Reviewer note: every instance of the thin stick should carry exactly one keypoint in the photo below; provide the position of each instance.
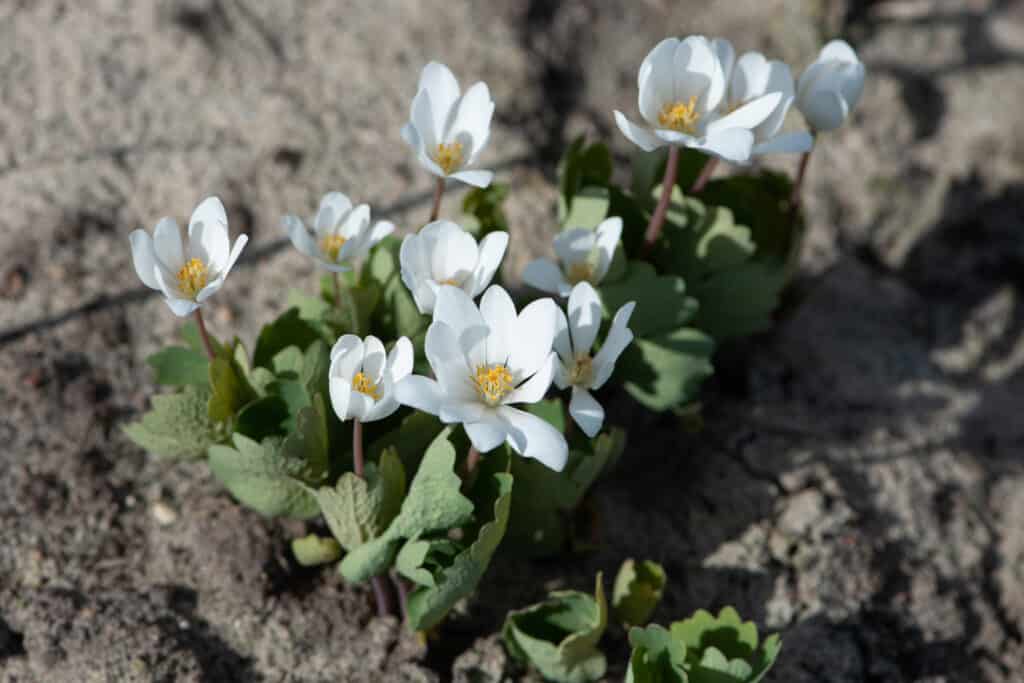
(658, 217)
(438, 191)
(357, 447)
(705, 175)
(204, 335)
(380, 595)
(403, 594)
(472, 461)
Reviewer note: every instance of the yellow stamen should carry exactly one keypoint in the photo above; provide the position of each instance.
(449, 157)
(581, 271)
(582, 371)
(192, 277)
(680, 116)
(450, 281)
(493, 382)
(332, 244)
(364, 385)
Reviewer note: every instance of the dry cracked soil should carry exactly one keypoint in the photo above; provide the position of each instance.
(858, 484)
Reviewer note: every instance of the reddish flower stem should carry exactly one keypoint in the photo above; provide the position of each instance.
(204, 335)
(705, 175)
(438, 192)
(357, 448)
(658, 217)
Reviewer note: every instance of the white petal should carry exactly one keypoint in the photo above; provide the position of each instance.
(167, 247)
(733, 144)
(476, 178)
(748, 116)
(698, 73)
(208, 234)
(438, 80)
(726, 54)
(210, 289)
(787, 143)
(359, 406)
(586, 411)
(608, 233)
(355, 223)
(448, 361)
(381, 229)
(546, 276)
(619, 337)
(340, 391)
(655, 82)
(400, 360)
(463, 411)
(533, 437)
(780, 79)
(639, 136)
(421, 393)
(838, 50)
(410, 135)
(333, 207)
(300, 237)
(584, 317)
(457, 310)
(143, 258)
(454, 255)
(533, 338)
(422, 117)
(375, 359)
(236, 251)
(851, 84)
(574, 246)
(472, 120)
(181, 307)
(486, 435)
(824, 110)
(562, 343)
(168, 285)
(534, 389)
(490, 253)
(500, 315)
(385, 407)
(750, 78)
(346, 357)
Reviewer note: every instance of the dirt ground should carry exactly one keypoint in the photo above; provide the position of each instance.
(859, 485)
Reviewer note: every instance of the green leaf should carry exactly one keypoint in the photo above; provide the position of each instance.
(189, 334)
(551, 411)
(273, 476)
(667, 370)
(230, 390)
(589, 207)
(410, 440)
(760, 201)
(313, 550)
(483, 209)
(358, 509)
(637, 591)
(724, 649)
(263, 417)
(662, 303)
(429, 603)
(177, 425)
(178, 366)
(559, 636)
(657, 657)
(288, 330)
(434, 503)
(397, 314)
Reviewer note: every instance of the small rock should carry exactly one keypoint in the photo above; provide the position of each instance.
(163, 513)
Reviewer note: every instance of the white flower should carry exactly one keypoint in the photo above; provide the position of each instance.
(682, 84)
(578, 369)
(584, 256)
(187, 276)
(486, 359)
(341, 233)
(831, 87)
(750, 77)
(448, 130)
(362, 377)
(442, 254)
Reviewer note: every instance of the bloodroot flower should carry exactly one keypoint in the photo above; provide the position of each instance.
(187, 275)
(583, 256)
(485, 360)
(682, 85)
(341, 233)
(362, 377)
(578, 368)
(443, 254)
(449, 129)
(831, 87)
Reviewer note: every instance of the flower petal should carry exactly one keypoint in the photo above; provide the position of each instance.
(476, 178)
(824, 110)
(443, 88)
(375, 359)
(533, 338)
(839, 50)
(750, 77)
(181, 307)
(533, 437)
(346, 357)
(608, 233)
(787, 143)
(486, 435)
(448, 361)
(574, 246)
(167, 247)
(499, 314)
(421, 393)
(655, 82)
(726, 55)
(584, 317)
(562, 343)
(208, 234)
(454, 255)
(236, 251)
(639, 136)
(422, 118)
(472, 118)
(749, 116)
(619, 337)
(340, 391)
(732, 144)
(143, 258)
(457, 310)
(463, 411)
(489, 255)
(697, 73)
(333, 207)
(586, 411)
(534, 389)
(400, 360)
(300, 237)
(546, 276)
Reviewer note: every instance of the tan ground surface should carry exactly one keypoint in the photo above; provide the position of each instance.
(860, 485)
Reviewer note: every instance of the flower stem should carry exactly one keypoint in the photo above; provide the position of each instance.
(337, 290)
(204, 335)
(380, 596)
(797, 232)
(403, 594)
(472, 461)
(438, 191)
(794, 197)
(705, 175)
(357, 448)
(658, 217)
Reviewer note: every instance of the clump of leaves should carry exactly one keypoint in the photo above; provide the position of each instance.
(559, 636)
(637, 591)
(701, 649)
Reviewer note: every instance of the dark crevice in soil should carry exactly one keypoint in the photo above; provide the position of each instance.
(12, 643)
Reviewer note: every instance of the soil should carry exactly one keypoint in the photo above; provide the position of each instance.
(859, 481)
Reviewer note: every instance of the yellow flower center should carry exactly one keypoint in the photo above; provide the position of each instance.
(680, 116)
(449, 157)
(450, 281)
(332, 244)
(192, 278)
(493, 382)
(581, 271)
(364, 385)
(582, 372)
